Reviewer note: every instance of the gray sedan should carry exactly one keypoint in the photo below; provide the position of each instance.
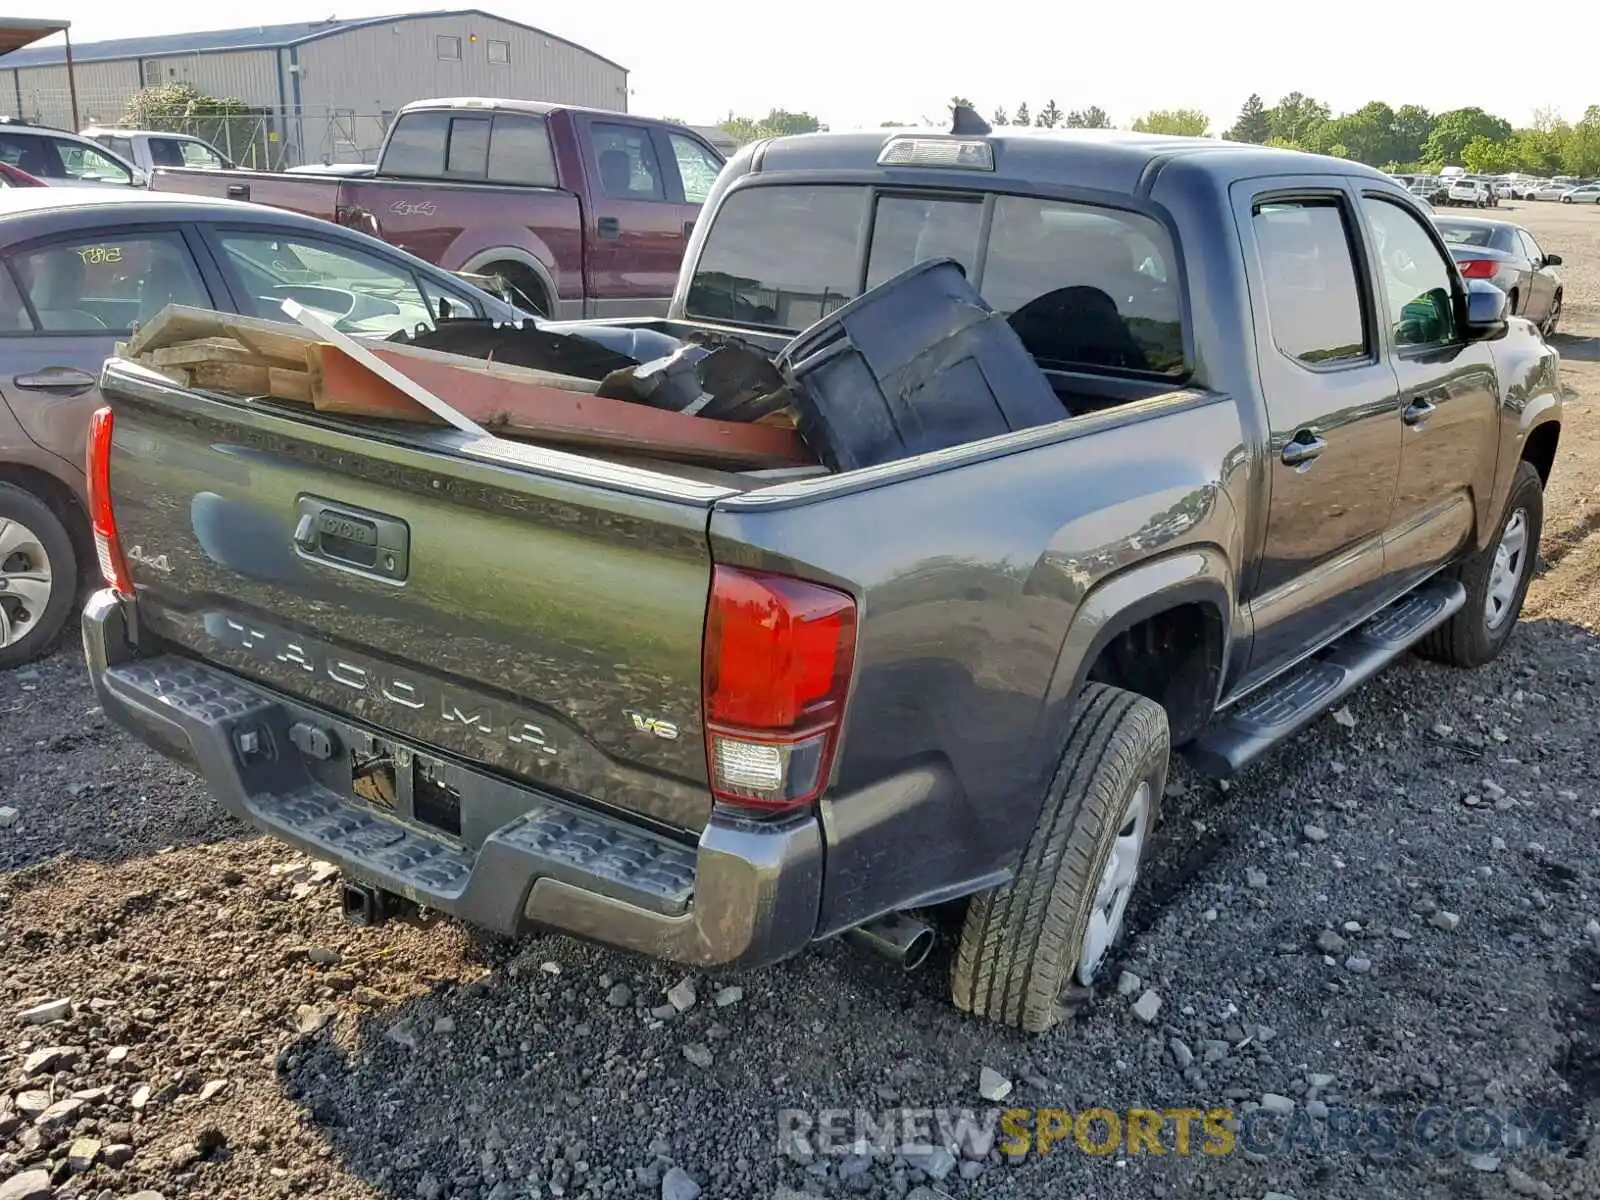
(1507, 256)
(79, 268)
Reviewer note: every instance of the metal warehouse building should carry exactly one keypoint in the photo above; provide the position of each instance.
(319, 91)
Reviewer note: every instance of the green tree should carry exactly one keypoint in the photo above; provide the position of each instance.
(1296, 118)
(1093, 117)
(1454, 129)
(1022, 117)
(777, 123)
(1252, 124)
(1412, 126)
(1001, 117)
(1183, 122)
(1483, 157)
(1049, 116)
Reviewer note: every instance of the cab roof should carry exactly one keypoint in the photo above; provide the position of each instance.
(1109, 159)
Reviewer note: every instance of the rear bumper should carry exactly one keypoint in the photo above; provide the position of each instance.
(748, 894)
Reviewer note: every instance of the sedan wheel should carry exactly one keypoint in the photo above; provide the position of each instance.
(38, 576)
(1550, 322)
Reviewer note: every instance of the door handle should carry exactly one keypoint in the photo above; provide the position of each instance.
(238, 191)
(1302, 449)
(1418, 411)
(608, 227)
(68, 380)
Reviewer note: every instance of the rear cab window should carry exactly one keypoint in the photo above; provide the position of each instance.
(474, 147)
(1085, 287)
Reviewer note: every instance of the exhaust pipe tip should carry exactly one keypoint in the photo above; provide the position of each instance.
(898, 936)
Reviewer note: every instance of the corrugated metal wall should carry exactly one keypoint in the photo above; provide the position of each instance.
(41, 93)
(371, 72)
(248, 75)
(337, 105)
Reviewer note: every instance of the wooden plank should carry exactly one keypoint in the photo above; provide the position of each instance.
(514, 408)
(203, 350)
(237, 379)
(286, 384)
(179, 323)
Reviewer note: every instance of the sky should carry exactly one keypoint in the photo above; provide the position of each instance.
(859, 63)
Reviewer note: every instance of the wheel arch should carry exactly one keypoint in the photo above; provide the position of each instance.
(1153, 606)
(521, 258)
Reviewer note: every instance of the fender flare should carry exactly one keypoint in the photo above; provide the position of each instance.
(1199, 574)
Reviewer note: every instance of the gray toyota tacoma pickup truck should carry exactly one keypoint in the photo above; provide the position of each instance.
(717, 716)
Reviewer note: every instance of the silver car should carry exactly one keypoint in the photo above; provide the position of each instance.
(1507, 256)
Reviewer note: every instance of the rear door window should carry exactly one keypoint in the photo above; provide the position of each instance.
(1309, 276)
(519, 151)
(109, 282)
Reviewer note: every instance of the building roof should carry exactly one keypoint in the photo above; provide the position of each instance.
(254, 37)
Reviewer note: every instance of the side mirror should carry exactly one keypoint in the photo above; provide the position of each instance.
(1552, 260)
(1486, 310)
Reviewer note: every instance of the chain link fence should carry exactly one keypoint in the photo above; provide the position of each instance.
(257, 138)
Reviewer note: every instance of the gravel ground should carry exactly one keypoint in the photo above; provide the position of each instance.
(1395, 911)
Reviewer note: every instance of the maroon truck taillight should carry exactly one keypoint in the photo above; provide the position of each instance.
(1477, 268)
(778, 658)
(97, 466)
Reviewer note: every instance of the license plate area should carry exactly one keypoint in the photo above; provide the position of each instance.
(396, 779)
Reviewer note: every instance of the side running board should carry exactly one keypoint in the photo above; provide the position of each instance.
(1286, 705)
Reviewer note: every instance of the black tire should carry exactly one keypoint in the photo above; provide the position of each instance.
(524, 284)
(1468, 639)
(1554, 319)
(38, 630)
(1017, 963)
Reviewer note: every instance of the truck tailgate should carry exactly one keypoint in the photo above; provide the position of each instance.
(546, 623)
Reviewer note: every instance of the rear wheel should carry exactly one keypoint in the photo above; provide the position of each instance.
(526, 289)
(1496, 580)
(38, 576)
(1031, 949)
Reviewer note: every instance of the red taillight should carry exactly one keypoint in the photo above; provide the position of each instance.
(778, 657)
(107, 546)
(1478, 268)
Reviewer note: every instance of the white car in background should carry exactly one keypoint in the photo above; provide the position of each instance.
(148, 149)
(1472, 192)
(1589, 193)
(62, 159)
(1551, 191)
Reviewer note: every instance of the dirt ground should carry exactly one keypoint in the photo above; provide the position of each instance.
(226, 1035)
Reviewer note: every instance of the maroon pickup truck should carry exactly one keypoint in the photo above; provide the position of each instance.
(581, 213)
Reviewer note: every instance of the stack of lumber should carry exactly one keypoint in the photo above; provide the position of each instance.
(264, 360)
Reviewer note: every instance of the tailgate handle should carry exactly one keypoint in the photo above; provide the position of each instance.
(352, 539)
(238, 191)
